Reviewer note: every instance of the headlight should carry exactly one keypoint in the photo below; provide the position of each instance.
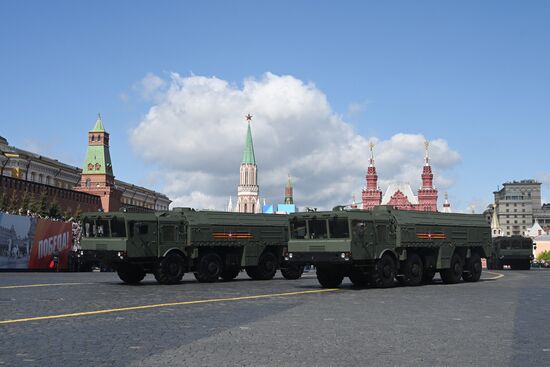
(290, 255)
(343, 255)
(81, 252)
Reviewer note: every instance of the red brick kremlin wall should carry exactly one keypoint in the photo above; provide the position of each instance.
(67, 200)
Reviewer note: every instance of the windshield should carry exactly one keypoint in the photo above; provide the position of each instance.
(103, 227)
(319, 228)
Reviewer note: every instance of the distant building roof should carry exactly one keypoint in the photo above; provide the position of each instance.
(404, 188)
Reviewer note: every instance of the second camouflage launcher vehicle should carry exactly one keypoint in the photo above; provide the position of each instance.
(516, 251)
(375, 247)
(168, 244)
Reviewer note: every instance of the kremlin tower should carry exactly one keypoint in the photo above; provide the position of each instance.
(248, 200)
(371, 194)
(97, 174)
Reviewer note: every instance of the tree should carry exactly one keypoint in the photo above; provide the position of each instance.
(13, 205)
(43, 203)
(25, 201)
(34, 204)
(545, 255)
(4, 201)
(53, 210)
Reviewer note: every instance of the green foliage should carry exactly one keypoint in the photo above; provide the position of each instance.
(25, 202)
(43, 208)
(53, 210)
(13, 205)
(4, 201)
(545, 255)
(34, 204)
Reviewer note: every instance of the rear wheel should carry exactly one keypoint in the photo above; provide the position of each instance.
(329, 276)
(292, 272)
(209, 269)
(413, 270)
(384, 272)
(130, 274)
(472, 269)
(170, 270)
(230, 273)
(266, 269)
(454, 273)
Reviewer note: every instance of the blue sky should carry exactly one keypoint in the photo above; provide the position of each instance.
(476, 74)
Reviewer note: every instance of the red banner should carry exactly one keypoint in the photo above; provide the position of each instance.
(50, 238)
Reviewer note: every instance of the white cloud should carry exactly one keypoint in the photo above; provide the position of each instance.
(196, 131)
(150, 87)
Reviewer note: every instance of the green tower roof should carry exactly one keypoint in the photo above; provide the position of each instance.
(98, 125)
(248, 155)
(98, 157)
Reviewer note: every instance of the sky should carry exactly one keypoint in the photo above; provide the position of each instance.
(174, 79)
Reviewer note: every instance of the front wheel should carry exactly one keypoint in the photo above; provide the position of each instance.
(130, 274)
(292, 272)
(329, 276)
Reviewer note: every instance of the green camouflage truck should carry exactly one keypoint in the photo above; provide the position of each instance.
(375, 247)
(169, 244)
(516, 251)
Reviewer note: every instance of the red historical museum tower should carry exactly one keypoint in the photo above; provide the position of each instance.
(371, 194)
(401, 196)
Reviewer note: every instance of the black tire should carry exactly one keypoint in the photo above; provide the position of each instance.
(170, 270)
(230, 273)
(292, 272)
(266, 269)
(329, 276)
(526, 265)
(209, 268)
(413, 270)
(130, 274)
(454, 273)
(472, 269)
(358, 278)
(384, 272)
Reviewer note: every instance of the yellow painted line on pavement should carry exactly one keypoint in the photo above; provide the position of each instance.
(498, 275)
(158, 305)
(39, 285)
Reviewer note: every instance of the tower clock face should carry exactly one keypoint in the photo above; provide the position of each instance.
(90, 167)
(97, 166)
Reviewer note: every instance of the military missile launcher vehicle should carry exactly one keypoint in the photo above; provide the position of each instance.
(516, 251)
(169, 244)
(375, 247)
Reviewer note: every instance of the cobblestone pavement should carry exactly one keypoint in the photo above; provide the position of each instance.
(500, 321)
